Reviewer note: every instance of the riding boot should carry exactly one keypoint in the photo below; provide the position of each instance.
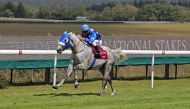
(97, 55)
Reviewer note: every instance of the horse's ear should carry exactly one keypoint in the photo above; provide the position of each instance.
(71, 33)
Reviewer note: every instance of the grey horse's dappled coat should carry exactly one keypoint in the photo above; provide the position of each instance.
(82, 58)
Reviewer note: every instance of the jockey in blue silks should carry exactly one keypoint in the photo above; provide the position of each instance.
(92, 38)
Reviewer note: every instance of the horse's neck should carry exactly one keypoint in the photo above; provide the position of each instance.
(77, 44)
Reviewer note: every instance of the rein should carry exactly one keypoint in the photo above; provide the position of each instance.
(74, 46)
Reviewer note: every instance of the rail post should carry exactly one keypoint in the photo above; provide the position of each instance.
(54, 70)
(152, 76)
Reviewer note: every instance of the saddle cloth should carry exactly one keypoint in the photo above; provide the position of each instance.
(103, 52)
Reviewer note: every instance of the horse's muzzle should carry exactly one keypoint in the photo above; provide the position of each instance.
(59, 49)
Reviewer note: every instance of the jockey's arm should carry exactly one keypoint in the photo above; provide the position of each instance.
(92, 36)
(87, 40)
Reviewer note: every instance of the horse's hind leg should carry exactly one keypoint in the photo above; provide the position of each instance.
(110, 81)
(113, 90)
(104, 82)
(106, 78)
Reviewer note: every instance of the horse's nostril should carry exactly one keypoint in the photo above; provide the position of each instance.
(59, 51)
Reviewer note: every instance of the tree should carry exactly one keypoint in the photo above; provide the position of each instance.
(169, 13)
(20, 11)
(10, 6)
(62, 14)
(100, 7)
(55, 14)
(159, 12)
(118, 12)
(43, 13)
(59, 3)
(67, 14)
(78, 11)
(7, 13)
(31, 12)
(1, 7)
(94, 15)
(130, 12)
(107, 13)
(147, 13)
(185, 14)
(124, 12)
(97, 16)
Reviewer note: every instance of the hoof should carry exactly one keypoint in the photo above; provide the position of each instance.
(106, 86)
(76, 86)
(113, 93)
(55, 87)
(100, 94)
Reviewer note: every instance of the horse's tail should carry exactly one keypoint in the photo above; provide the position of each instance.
(118, 54)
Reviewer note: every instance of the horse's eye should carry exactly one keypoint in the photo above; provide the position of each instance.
(66, 40)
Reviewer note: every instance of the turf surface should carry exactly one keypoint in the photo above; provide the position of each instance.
(167, 94)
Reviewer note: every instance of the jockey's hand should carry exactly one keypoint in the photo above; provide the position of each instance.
(80, 38)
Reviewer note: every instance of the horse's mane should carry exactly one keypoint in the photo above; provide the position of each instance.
(77, 36)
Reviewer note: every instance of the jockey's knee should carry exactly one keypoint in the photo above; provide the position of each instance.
(94, 43)
(100, 43)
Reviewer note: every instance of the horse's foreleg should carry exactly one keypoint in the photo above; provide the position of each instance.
(76, 85)
(68, 73)
(79, 66)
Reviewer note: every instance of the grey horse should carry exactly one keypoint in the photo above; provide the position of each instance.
(82, 58)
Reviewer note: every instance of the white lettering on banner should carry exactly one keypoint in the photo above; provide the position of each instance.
(147, 44)
(184, 45)
(173, 44)
(113, 44)
(170, 45)
(130, 44)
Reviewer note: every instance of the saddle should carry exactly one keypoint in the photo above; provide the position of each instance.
(103, 52)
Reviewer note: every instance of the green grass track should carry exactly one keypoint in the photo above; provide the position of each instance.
(167, 94)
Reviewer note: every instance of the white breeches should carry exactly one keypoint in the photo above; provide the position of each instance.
(97, 42)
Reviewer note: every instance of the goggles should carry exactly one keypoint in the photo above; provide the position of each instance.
(84, 31)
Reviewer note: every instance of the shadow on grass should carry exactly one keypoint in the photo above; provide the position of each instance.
(66, 94)
(74, 94)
